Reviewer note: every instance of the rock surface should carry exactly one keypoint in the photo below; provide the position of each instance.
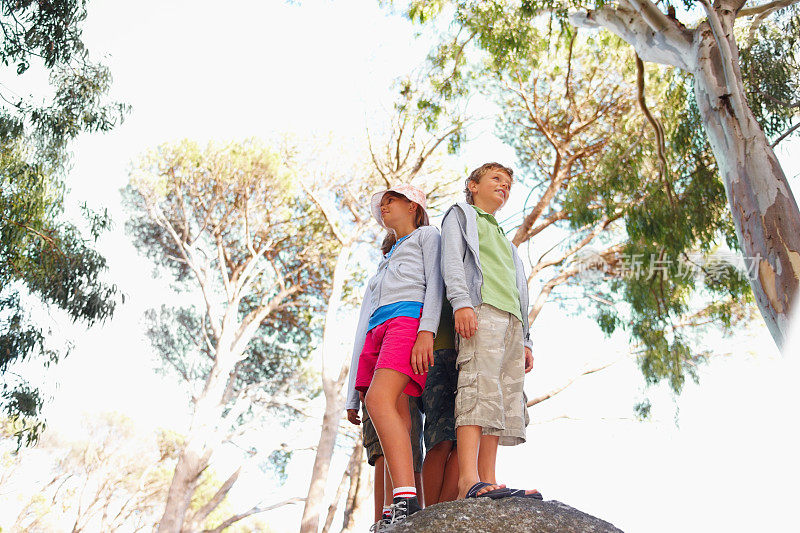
(508, 515)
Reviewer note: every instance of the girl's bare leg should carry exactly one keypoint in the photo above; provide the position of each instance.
(388, 408)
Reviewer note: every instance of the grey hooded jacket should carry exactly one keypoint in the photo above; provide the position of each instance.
(411, 274)
(461, 264)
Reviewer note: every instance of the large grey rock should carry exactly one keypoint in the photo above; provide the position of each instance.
(508, 515)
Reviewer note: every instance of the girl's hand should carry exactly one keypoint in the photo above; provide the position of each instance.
(352, 416)
(466, 322)
(422, 352)
(528, 360)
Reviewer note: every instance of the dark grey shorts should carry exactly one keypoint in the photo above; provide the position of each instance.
(439, 399)
(373, 444)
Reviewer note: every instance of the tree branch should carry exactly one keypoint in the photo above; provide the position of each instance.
(658, 130)
(235, 518)
(553, 392)
(329, 217)
(785, 134)
(355, 458)
(670, 47)
(765, 9)
(215, 500)
(184, 249)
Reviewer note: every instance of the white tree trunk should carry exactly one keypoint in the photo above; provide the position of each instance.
(764, 209)
(334, 372)
(202, 439)
(762, 205)
(184, 481)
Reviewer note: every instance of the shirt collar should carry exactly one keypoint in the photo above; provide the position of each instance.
(487, 216)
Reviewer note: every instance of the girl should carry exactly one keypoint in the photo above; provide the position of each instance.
(401, 309)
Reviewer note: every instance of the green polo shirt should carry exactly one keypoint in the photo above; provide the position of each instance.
(499, 287)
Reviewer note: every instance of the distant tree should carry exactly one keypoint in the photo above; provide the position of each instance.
(109, 478)
(44, 259)
(230, 223)
(112, 478)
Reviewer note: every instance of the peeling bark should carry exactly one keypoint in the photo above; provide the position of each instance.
(764, 210)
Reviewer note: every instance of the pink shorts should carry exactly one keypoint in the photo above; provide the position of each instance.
(389, 346)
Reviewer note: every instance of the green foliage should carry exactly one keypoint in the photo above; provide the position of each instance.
(278, 461)
(770, 67)
(561, 92)
(43, 258)
(642, 409)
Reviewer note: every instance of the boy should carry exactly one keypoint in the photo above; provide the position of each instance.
(487, 288)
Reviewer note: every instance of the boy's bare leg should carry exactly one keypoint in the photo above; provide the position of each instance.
(388, 409)
(450, 481)
(487, 458)
(468, 447)
(378, 489)
(487, 461)
(433, 470)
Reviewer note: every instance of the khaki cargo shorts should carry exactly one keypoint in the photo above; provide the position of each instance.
(491, 375)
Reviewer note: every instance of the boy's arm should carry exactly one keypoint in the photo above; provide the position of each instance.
(524, 297)
(434, 285)
(453, 273)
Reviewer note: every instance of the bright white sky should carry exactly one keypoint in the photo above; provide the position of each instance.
(208, 70)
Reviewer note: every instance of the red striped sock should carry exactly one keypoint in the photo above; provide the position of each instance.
(404, 492)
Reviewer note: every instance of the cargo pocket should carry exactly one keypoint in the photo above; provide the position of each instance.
(467, 385)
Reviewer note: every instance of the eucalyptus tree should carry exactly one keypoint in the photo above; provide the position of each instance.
(744, 83)
(620, 196)
(764, 209)
(616, 191)
(230, 223)
(43, 258)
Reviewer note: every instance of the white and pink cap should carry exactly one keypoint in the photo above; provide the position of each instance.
(409, 191)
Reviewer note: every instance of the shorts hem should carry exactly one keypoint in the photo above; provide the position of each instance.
(414, 387)
(491, 428)
(438, 441)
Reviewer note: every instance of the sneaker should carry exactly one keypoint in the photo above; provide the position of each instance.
(402, 508)
(380, 525)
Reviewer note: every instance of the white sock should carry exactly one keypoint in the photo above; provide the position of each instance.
(404, 492)
(387, 511)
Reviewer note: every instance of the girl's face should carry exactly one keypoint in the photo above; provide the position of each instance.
(397, 210)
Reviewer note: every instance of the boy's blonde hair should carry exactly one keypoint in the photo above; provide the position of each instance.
(480, 172)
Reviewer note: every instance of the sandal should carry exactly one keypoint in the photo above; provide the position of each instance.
(495, 494)
(522, 493)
